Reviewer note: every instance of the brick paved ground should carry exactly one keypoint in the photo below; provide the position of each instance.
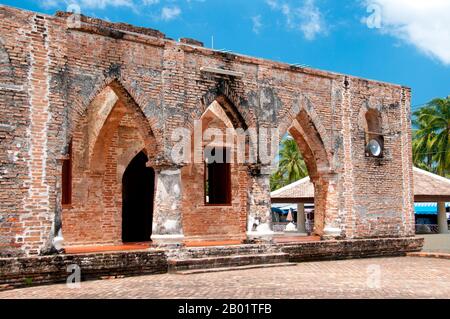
(407, 277)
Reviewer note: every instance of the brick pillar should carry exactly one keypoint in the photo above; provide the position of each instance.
(259, 221)
(39, 217)
(333, 224)
(167, 218)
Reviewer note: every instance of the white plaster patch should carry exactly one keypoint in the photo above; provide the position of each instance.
(170, 225)
(332, 231)
(176, 189)
(11, 87)
(264, 228)
(12, 156)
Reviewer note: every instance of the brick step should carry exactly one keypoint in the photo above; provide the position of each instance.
(221, 251)
(179, 264)
(222, 269)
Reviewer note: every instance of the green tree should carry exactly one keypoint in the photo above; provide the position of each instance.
(431, 146)
(291, 166)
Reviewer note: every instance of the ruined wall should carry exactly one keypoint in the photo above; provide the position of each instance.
(59, 69)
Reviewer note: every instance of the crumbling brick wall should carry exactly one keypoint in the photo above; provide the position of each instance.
(52, 71)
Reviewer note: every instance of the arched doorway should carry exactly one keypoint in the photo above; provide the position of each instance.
(105, 139)
(138, 185)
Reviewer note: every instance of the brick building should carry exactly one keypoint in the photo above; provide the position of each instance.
(89, 111)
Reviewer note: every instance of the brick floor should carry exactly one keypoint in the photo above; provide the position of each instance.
(406, 277)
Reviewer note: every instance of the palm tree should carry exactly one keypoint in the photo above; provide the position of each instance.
(291, 166)
(431, 145)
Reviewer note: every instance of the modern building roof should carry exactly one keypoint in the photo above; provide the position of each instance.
(428, 187)
(301, 191)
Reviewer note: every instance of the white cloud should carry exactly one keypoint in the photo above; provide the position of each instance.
(170, 13)
(424, 24)
(88, 4)
(305, 17)
(257, 24)
(150, 2)
(48, 4)
(312, 20)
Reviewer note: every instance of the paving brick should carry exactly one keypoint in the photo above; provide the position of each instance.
(404, 277)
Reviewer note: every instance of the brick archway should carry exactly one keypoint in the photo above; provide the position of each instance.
(110, 134)
(304, 125)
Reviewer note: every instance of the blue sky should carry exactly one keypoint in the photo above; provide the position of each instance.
(400, 41)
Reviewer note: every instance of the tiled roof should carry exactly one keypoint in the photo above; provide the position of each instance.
(302, 189)
(427, 186)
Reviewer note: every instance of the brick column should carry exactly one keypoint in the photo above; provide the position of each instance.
(167, 218)
(332, 227)
(39, 217)
(259, 221)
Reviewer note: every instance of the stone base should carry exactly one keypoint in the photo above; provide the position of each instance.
(31, 271)
(168, 241)
(260, 237)
(349, 249)
(19, 272)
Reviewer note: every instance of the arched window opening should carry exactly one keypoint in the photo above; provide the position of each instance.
(374, 134)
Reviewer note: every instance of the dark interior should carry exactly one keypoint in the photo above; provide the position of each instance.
(138, 187)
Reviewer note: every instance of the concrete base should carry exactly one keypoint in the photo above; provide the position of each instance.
(436, 243)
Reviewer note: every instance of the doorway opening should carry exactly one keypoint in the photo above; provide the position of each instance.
(138, 187)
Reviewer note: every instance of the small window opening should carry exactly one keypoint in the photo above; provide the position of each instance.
(217, 176)
(374, 135)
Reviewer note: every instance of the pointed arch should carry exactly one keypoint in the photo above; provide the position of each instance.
(302, 110)
(116, 83)
(124, 109)
(303, 124)
(230, 101)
